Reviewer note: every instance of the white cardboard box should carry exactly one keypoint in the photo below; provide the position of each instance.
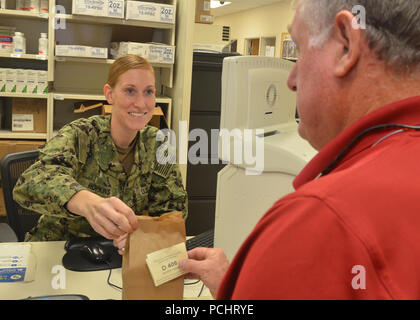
(32, 81)
(120, 48)
(99, 8)
(149, 11)
(153, 52)
(21, 79)
(94, 52)
(161, 53)
(42, 82)
(80, 51)
(62, 50)
(116, 9)
(11, 77)
(2, 80)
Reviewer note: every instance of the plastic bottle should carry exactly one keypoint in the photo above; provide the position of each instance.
(19, 43)
(43, 7)
(33, 6)
(20, 4)
(3, 4)
(43, 44)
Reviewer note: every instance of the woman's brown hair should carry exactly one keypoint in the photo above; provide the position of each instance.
(125, 63)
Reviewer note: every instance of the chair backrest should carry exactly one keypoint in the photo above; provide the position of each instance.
(12, 166)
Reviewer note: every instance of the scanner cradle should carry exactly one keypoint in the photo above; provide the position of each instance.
(74, 259)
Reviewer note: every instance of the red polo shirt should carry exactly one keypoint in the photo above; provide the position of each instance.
(351, 234)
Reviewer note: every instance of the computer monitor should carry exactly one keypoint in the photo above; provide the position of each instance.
(254, 97)
(255, 94)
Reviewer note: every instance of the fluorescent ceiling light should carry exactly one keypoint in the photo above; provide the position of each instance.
(217, 4)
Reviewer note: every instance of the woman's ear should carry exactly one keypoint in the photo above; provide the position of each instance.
(108, 92)
(349, 43)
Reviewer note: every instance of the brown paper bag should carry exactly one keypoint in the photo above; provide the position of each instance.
(153, 233)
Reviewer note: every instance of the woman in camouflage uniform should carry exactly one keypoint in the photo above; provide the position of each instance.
(96, 174)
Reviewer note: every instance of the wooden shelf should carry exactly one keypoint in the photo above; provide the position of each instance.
(7, 134)
(291, 59)
(104, 61)
(23, 14)
(24, 56)
(23, 95)
(113, 21)
(77, 96)
(82, 96)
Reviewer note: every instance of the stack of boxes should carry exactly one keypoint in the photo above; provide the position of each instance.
(23, 81)
(149, 11)
(80, 51)
(99, 8)
(153, 52)
(128, 10)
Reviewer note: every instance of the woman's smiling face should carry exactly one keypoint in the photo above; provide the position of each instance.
(133, 99)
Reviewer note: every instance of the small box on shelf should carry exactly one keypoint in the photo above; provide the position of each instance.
(80, 51)
(29, 115)
(102, 8)
(154, 52)
(149, 11)
(203, 12)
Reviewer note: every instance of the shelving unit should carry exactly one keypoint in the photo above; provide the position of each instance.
(74, 79)
(113, 21)
(24, 14)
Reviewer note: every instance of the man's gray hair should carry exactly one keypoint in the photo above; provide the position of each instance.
(392, 27)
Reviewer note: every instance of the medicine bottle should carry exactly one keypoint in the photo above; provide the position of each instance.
(33, 6)
(43, 44)
(19, 43)
(21, 5)
(43, 6)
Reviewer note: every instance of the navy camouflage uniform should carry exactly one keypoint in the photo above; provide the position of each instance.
(83, 156)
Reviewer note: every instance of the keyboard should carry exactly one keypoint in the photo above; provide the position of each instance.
(205, 239)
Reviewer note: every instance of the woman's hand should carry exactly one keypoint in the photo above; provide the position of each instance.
(110, 217)
(120, 243)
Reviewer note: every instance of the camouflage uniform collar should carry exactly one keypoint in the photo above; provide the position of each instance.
(107, 150)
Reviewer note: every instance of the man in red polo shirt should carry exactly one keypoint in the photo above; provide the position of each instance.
(351, 228)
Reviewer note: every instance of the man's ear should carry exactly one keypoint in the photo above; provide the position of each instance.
(108, 94)
(348, 38)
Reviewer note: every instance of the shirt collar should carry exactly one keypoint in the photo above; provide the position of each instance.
(402, 112)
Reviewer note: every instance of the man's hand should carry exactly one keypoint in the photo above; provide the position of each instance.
(206, 264)
(110, 217)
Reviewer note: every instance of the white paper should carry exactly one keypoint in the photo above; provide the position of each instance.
(22, 122)
(16, 262)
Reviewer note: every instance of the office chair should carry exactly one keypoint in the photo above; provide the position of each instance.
(7, 234)
(12, 166)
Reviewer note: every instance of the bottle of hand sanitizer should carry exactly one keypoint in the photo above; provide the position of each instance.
(43, 44)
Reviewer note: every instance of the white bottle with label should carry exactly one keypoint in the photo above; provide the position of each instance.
(3, 4)
(33, 6)
(43, 44)
(21, 4)
(43, 6)
(19, 43)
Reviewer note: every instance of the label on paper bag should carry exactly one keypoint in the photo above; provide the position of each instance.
(163, 264)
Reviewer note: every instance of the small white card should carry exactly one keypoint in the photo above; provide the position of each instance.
(163, 264)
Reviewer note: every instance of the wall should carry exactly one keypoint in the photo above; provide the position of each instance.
(208, 34)
(267, 21)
